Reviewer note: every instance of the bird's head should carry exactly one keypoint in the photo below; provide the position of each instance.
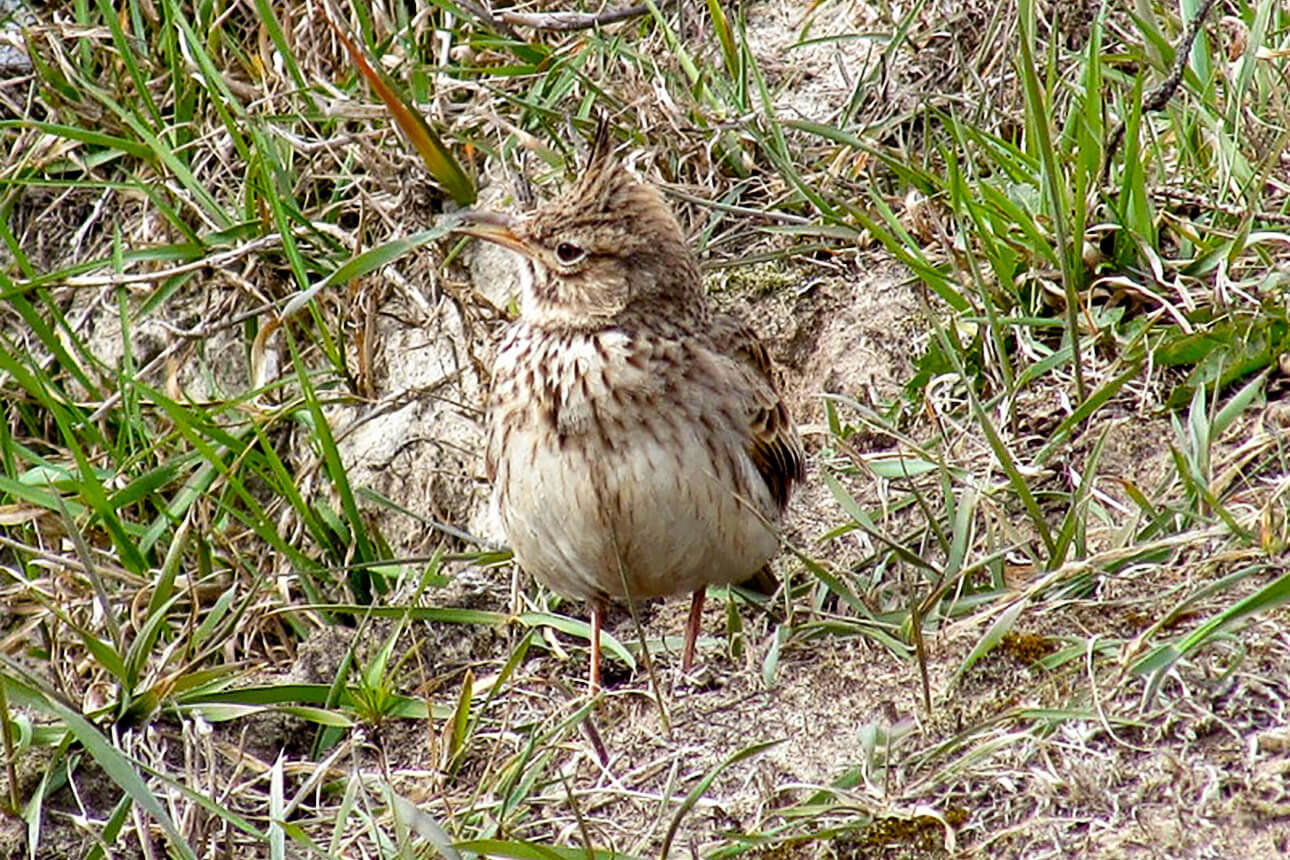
(608, 248)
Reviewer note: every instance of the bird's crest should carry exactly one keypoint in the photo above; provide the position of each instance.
(602, 146)
(603, 177)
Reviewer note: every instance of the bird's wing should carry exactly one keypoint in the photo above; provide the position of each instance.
(774, 446)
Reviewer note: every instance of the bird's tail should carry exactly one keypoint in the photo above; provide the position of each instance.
(762, 582)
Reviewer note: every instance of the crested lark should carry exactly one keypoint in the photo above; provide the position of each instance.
(637, 443)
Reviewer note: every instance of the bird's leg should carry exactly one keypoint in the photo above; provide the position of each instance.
(692, 630)
(597, 620)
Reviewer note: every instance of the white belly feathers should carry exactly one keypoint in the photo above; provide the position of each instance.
(580, 488)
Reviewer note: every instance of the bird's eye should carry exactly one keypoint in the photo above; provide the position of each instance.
(568, 253)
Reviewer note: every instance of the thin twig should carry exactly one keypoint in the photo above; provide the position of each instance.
(1160, 96)
(481, 12)
(569, 21)
(734, 209)
(505, 21)
(1191, 198)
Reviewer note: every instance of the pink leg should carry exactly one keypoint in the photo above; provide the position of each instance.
(597, 619)
(692, 630)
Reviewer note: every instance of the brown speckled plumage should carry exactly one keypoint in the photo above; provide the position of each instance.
(637, 443)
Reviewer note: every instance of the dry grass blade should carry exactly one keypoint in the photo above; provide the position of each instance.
(699, 790)
(437, 157)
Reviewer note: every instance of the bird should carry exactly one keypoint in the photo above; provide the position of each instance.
(638, 443)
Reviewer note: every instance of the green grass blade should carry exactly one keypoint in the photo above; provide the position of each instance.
(118, 768)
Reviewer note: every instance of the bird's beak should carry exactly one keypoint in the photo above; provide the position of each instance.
(494, 227)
